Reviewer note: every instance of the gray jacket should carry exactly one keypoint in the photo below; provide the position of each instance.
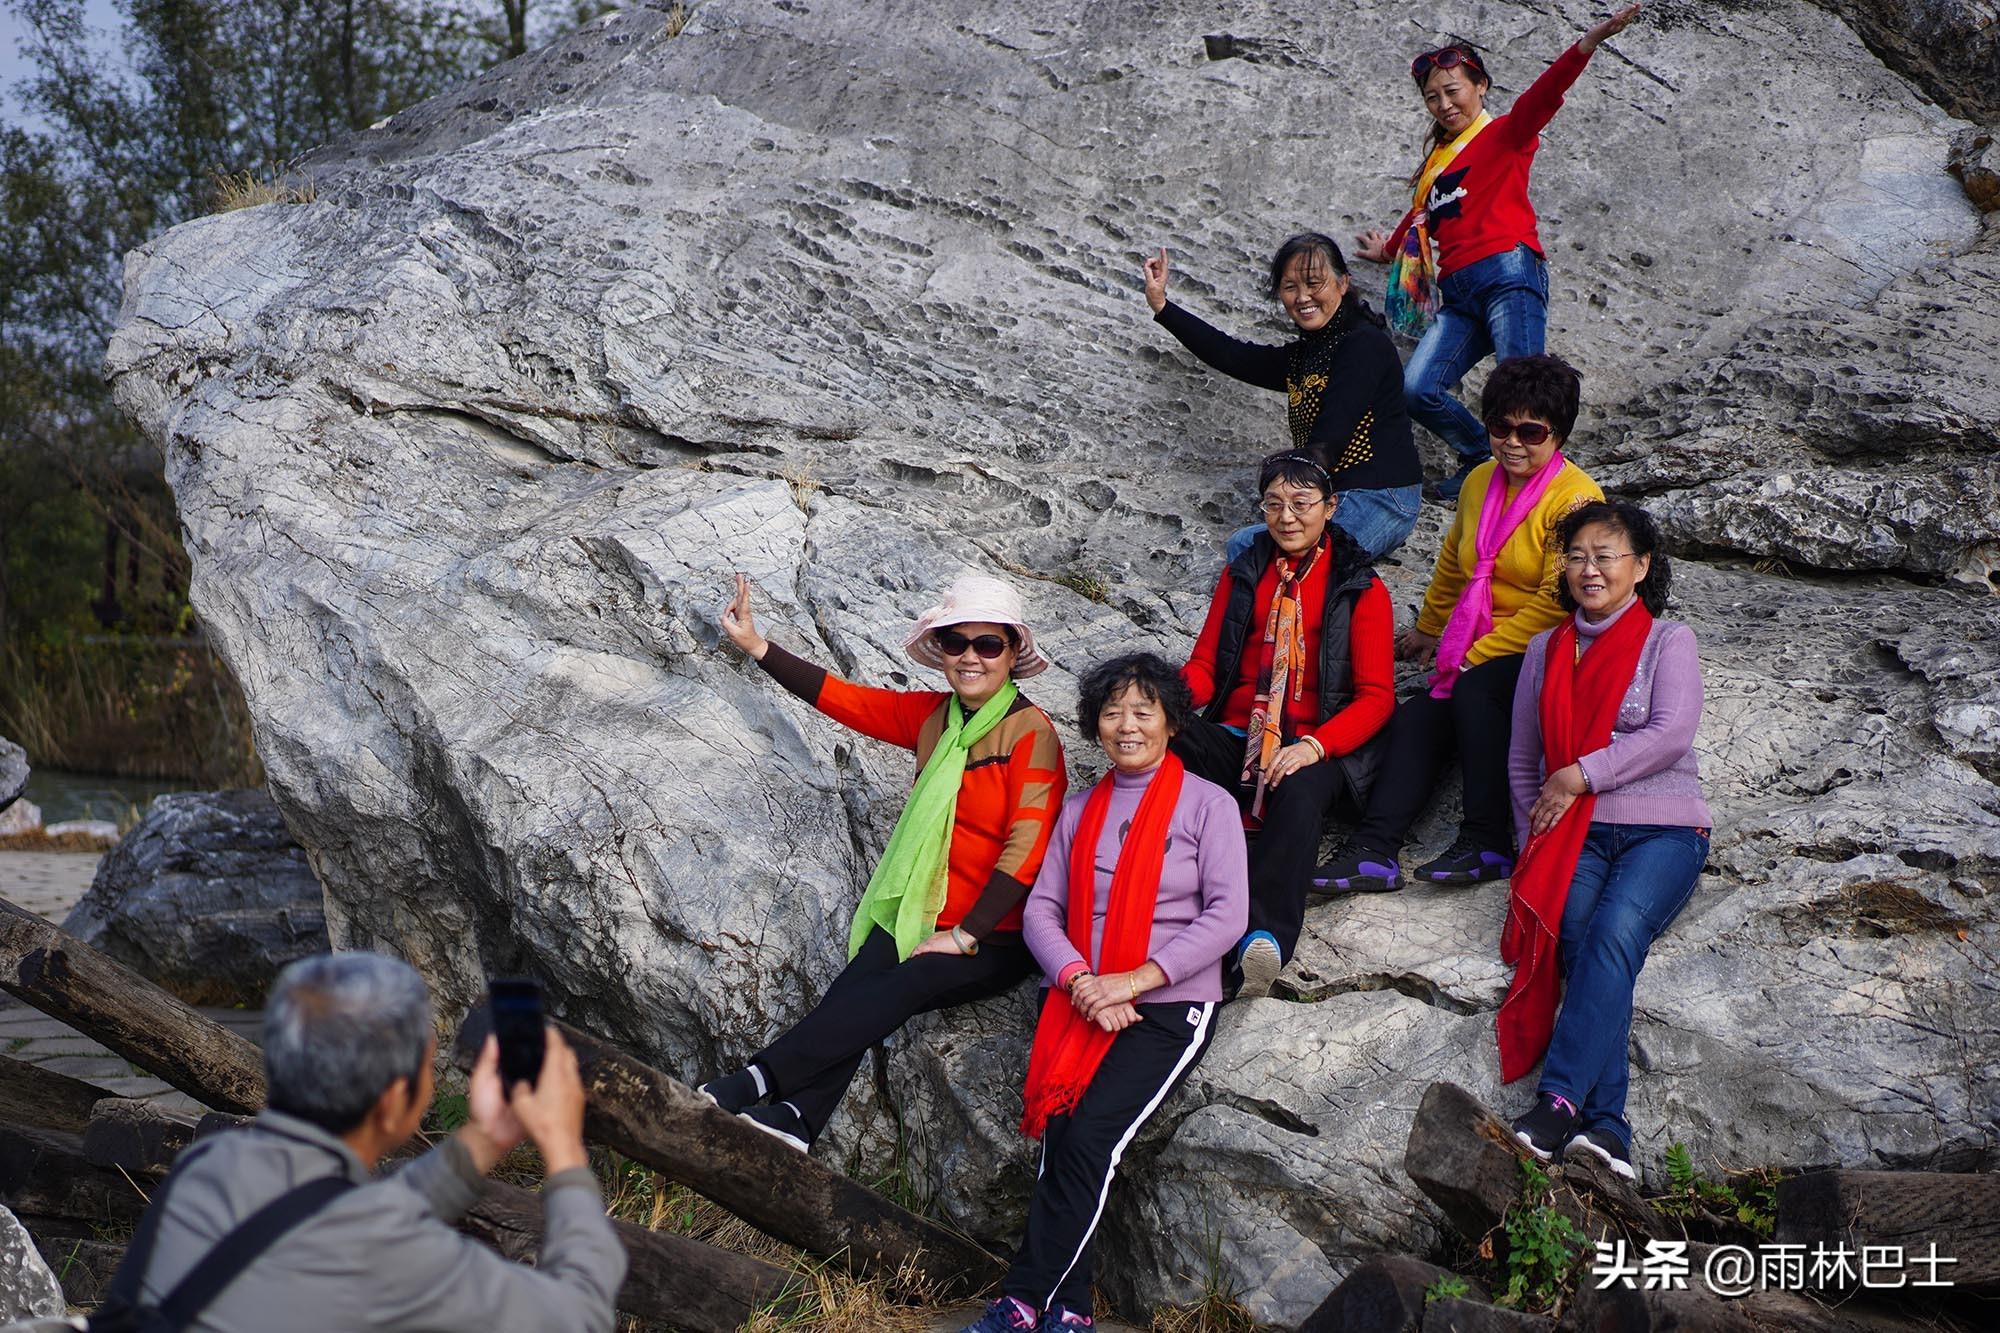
(381, 1256)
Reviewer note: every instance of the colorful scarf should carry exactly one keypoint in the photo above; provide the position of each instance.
(1413, 272)
(1068, 1048)
(907, 890)
(1281, 670)
(1472, 619)
(1579, 704)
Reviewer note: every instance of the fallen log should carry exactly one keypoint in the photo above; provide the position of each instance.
(1463, 1316)
(31, 1095)
(1382, 1295)
(44, 1173)
(1899, 1215)
(133, 1135)
(67, 979)
(660, 1121)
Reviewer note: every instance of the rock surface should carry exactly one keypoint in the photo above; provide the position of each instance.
(20, 816)
(845, 297)
(208, 896)
(28, 1287)
(13, 772)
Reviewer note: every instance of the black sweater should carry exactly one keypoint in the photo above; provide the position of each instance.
(1344, 384)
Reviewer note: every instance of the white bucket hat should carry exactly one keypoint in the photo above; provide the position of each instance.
(976, 597)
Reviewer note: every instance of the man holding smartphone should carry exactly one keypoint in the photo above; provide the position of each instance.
(349, 1051)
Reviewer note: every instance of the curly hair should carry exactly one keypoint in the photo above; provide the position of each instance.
(1155, 678)
(1543, 385)
(1639, 528)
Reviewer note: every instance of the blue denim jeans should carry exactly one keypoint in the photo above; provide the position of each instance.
(1631, 882)
(1499, 307)
(1379, 521)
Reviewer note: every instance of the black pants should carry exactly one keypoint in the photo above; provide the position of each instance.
(1287, 846)
(1081, 1150)
(811, 1065)
(1475, 724)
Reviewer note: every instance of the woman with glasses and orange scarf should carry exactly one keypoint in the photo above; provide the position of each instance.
(1467, 273)
(1294, 674)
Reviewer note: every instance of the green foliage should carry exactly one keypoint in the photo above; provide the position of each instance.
(1750, 1199)
(1544, 1248)
(1452, 1288)
(449, 1111)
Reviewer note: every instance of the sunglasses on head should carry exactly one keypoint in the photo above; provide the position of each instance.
(1530, 433)
(1445, 57)
(951, 643)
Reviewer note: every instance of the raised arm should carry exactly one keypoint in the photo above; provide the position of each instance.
(1253, 363)
(1540, 100)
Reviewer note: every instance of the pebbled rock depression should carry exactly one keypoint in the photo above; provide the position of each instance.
(846, 297)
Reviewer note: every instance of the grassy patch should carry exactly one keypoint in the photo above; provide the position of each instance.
(244, 189)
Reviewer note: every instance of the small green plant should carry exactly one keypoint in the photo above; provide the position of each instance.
(1090, 586)
(1452, 1288)
(449, 1111)
(1544, 1248)
(1752, 1201)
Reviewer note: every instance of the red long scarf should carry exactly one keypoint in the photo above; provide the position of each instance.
(1579, 703)
(1068, 1048)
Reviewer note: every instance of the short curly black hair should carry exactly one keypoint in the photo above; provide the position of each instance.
(1156, 678)
(1543, 385)
(1639, 529)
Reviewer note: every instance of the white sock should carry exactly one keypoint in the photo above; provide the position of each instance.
(757, 1077)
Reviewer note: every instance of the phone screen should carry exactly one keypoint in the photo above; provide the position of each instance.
(517, 1022)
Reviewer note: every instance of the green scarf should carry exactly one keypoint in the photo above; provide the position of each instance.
(906, 892)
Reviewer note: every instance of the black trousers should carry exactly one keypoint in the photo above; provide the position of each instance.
(811, 1065)
(1287, 846)
(1475, 724)
(1081, 1150)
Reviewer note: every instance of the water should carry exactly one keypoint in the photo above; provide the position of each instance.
(64, 795)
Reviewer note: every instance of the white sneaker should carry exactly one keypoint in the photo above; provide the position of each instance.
(1261, 964)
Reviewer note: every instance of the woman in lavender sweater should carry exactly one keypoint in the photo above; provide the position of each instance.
(1144, 889)
(1648, 830)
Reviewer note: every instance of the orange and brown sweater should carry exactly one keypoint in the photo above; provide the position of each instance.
(1007, 802)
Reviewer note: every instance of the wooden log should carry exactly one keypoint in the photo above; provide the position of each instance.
(1900, 1214)
(1382, 1295)
(44, 1173)
(660, 1121)
(135, 1135)
(115, 1006)
(1463, 1316)
(31, 1095)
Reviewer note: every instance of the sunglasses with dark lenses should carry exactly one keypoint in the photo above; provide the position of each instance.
(951, 643)
(1530, 433)
(1445, 57)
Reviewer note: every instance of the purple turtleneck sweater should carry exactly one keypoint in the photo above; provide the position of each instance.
(1204, 902)
(1648, 773)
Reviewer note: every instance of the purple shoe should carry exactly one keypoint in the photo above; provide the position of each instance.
(1358, 870)
(1466, 862)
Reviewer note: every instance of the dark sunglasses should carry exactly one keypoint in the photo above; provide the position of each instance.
(1530, 433)
(1445, 57)
(951, 643)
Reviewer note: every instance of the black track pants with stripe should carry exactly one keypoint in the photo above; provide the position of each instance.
(1081, 1150)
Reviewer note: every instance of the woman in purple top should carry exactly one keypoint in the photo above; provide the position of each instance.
(1648, 835)
(1160, 1012)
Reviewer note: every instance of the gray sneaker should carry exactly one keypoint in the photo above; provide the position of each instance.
(1260, 963)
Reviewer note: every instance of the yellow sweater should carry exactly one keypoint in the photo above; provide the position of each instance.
(1524, 578)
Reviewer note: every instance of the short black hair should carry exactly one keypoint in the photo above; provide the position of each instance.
(1543, 385)
(1314, 243)
(1156, 678)
(1295, 469)
(1639, 529)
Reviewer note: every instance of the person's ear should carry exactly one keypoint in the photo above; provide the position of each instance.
(1642, 568)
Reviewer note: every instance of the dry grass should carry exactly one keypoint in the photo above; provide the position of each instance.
(677, 19)
(799, 476)
(38, 841)
(244, 189)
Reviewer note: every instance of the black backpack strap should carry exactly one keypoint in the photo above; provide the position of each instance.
(125, 1282)
(240, 1248)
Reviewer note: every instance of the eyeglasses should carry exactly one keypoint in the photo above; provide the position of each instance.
(1578, 561)
(1296, 508)
(1445, 57)
(951, 643)
(1530, 433)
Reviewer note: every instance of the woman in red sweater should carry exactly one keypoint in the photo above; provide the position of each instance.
(1294, 674)
(1469, 277)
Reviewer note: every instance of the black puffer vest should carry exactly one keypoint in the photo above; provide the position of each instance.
(1347, 578)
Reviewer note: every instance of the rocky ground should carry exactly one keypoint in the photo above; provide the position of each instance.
(468, 448)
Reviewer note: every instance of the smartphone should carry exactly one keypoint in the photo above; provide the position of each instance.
(516, 1004)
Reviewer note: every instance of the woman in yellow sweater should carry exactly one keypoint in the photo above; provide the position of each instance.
(1493, 590)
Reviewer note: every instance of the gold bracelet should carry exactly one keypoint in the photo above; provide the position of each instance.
(1133, 978)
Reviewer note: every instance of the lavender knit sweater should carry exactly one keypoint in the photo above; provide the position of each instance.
(1204, 902)
(1648, 773)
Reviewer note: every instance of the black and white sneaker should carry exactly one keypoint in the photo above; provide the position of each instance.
(1545, 1130)
(733, 1092)
(1607, 1148)
(781, 1121)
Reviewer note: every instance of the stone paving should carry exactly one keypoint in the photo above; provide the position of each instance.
(49, 884)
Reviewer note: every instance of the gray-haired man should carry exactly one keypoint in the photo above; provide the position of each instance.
(348, 1050)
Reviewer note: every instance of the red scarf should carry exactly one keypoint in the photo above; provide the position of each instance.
(1067, 1048)
(1580, 699)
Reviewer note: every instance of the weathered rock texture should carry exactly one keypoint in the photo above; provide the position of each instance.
(208, 896)
(845, 297)
(28, 1287)
(13, 772)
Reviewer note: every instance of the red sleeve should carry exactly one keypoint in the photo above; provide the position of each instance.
(895, 716)
(1199, 673)
(1371, 653)
(1538, 103)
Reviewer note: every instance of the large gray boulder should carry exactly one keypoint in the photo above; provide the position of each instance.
(845, 297)
(208, 895)
(13, 772)
(28, 1287)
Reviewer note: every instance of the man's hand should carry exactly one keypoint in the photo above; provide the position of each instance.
(552, 1110)
(491, 1129)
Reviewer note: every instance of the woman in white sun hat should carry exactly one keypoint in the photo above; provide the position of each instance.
(940, 922)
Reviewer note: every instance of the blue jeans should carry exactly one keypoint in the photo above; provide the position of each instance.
(1498, 306)
(1631, 881)
(1379, 521)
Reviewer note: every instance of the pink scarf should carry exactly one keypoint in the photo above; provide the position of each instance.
(1472, 619)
